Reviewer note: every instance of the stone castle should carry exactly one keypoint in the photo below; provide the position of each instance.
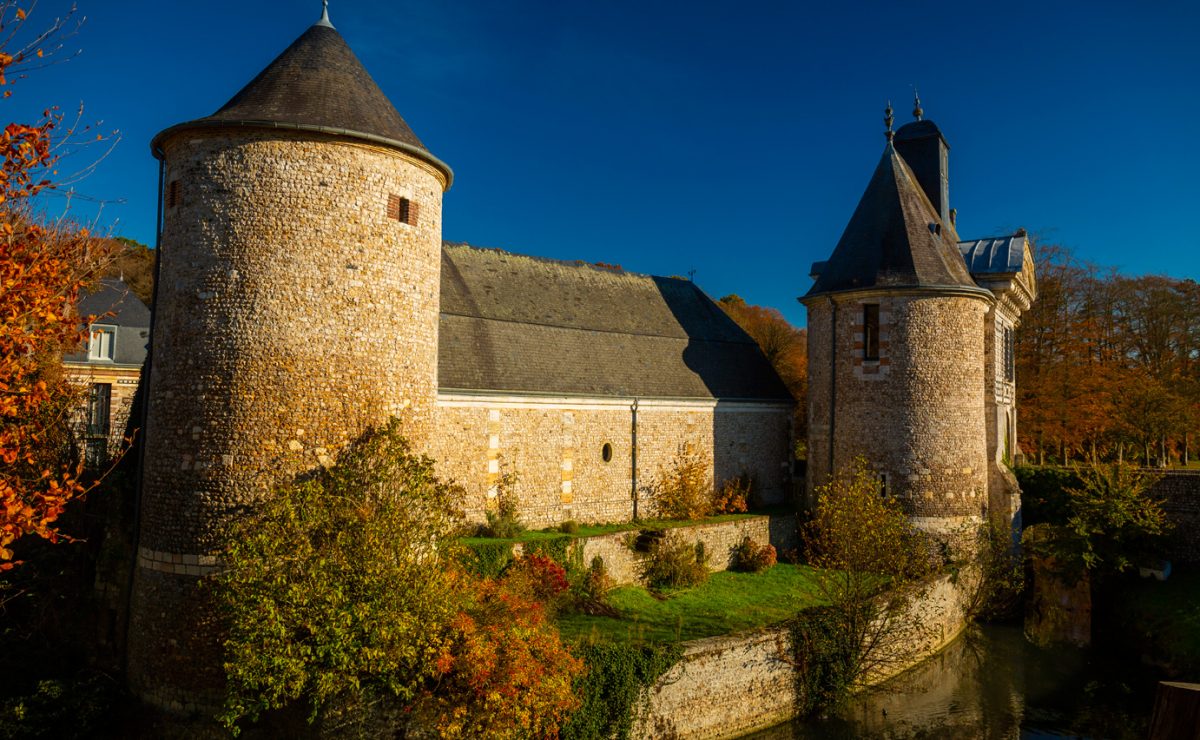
(305, 293)
(910, 344)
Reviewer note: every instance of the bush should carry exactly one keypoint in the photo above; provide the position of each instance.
(337, 592)
(733, 496)
(505, 521)
(753, 558)
(539, 577)
(674, 563)
(570, 526)
(590, 588)
(683, 489)
(1044, 497)
(503, 673)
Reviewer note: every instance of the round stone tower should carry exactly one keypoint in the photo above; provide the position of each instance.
(297, 303)
(896, 344)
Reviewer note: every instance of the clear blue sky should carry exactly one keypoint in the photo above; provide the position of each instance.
(729, 138)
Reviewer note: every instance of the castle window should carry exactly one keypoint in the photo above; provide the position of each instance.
(100, 345)
(1010, 364)
(883, 485)
(402, 209)
(606, 452)
(98, 421)
(871, 331)
(173, 194)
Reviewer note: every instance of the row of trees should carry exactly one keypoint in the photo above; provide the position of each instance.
(1108, 365)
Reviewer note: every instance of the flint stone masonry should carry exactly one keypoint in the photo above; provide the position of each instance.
(726, 687)
(291, 314)
(923, 423)
(540, 443)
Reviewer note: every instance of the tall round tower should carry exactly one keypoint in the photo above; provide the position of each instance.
(297, 303)
(896, 344)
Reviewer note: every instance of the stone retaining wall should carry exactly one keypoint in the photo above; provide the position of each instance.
(1180, 493)
(726, 687)
(719, 541)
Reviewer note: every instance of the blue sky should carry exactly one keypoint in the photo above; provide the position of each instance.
(729, 138)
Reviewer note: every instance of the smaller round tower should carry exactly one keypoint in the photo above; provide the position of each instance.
(896, 343)
(297, 303)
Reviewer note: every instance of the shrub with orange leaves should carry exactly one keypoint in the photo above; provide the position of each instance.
(505, 674)
(43, 267)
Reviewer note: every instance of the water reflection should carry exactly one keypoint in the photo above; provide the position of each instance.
(992, 684)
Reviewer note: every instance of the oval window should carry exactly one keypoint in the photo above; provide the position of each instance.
(606, 452)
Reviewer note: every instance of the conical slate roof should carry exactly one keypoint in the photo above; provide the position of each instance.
(894, 239)
(317, 84)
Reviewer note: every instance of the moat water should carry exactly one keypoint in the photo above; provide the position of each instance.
(991, 683)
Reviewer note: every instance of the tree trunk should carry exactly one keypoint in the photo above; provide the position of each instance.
(1120, 453)
(1185, 449)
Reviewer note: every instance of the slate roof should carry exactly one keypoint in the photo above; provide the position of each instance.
(894, 239)
(115, 305)
(317, 83)
(523, 324)
(998, 254)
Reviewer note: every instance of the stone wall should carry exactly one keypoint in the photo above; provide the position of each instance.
(552, 451)
(1180, 494)
(291, 312)
(719, 540)
(916, 414)
(726, 687)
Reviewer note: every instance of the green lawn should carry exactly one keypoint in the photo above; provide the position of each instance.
(593, 530)
(728, 602)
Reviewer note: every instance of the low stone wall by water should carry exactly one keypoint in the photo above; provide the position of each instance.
(725, 687)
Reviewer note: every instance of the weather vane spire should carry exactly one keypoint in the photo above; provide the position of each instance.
(888, 119)
(324, 14)
(917, 112)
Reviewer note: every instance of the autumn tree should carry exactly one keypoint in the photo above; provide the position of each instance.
(871, 565)
(785, 347)
(1107, 364)
(43, 266)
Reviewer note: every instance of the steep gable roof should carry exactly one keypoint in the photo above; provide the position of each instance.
(524, 324)
(894, 239)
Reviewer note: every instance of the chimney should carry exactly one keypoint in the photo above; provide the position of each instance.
(926, 152)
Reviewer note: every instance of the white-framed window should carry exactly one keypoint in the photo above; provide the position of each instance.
(100, 344)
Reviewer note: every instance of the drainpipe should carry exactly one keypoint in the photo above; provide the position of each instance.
(633, 476)
(137, 484)
(832, 377)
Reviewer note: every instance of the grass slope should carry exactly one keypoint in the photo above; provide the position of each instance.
(728, 602)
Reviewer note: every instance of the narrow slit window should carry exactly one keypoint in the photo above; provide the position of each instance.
(173, 194)
(402, 209)
(1010, 364)
(871, 331)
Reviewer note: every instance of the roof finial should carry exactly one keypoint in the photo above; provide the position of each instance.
(325, 15)
(888, 119)
(917, 112)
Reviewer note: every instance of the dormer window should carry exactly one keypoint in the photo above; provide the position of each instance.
(100, 344)
(871, 331)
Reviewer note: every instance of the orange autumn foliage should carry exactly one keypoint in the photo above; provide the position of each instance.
(42, 270)
(505, 673)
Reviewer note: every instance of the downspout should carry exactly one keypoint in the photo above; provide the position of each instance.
(633, 475)
(832, 378)
(141, 463)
